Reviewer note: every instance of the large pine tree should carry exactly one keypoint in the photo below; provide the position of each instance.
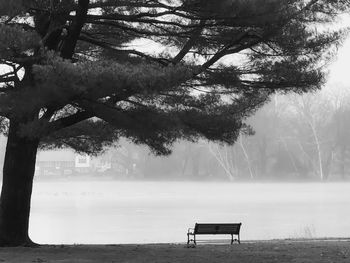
(74, 75)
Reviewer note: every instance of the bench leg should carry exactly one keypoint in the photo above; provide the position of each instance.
(189, 239)
(237, 239)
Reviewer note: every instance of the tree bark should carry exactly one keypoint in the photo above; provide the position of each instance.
(18, 173)
(342, 160)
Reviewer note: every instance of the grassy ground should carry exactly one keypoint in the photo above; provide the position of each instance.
(262, 252)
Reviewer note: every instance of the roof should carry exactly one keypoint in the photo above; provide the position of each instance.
(56, 156)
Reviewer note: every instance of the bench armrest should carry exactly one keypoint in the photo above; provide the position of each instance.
(190, 231)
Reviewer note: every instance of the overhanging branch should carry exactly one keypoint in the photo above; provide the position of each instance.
(108, 46)
(69, 120)
(74, 30)
(189, 44)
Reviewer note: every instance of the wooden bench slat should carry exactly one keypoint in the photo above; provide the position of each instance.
(215, 229)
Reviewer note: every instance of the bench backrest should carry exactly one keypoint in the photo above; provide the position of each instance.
(217, 228)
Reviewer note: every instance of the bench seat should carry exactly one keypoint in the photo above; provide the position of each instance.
(214, 229)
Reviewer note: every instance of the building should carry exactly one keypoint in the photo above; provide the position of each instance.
(55, 162)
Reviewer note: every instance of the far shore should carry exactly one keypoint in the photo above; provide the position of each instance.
(296, 251)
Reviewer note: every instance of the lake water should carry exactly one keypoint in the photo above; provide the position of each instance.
(103, 212)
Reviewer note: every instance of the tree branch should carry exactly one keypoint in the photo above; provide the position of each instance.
(120, 3)
(69, 121)
(70, 42)
(189, 44)
(108, 46)
(8, 79)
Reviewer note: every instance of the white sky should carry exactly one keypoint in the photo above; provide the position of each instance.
(339, 70)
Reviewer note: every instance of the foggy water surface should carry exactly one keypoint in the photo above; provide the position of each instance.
(156, 212)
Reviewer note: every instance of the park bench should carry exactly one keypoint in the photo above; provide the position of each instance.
(214, 229)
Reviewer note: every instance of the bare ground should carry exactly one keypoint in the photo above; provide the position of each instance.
(295, 251)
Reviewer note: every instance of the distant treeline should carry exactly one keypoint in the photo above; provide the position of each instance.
(295, 138)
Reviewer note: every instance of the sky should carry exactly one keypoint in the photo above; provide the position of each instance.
(339, 68)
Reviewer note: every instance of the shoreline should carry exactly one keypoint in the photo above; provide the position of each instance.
(285, 250)
(210, 241)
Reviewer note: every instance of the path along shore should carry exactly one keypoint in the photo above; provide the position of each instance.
(296, 251)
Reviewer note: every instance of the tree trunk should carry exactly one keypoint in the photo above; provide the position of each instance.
(342, 160)
(262, 147)
(245, 153)
(18, 172)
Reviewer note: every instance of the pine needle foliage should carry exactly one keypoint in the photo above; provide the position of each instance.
(78, 75)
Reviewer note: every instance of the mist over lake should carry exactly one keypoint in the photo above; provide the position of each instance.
(100, 212)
